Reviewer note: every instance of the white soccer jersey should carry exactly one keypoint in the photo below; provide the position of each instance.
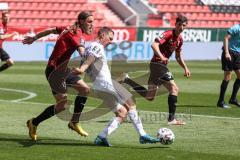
(111, 92)
(99, 71)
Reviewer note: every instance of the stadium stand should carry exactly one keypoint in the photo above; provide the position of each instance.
(201, 13)
(221, 2)
(48, 13)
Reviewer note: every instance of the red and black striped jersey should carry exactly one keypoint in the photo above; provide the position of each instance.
(168, 43)
(3, 30)
(66, 44)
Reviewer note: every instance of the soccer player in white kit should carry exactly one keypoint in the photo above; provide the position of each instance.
(114, 95)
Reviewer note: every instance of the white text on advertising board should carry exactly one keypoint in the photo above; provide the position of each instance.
(190, 35)
(121, 35)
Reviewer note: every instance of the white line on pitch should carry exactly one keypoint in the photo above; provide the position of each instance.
(30, 94)
(198, 115)
(194, 115)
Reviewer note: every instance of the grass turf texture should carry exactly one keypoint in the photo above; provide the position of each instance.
(204, 137)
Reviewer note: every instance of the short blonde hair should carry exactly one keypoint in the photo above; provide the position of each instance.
(105, 30)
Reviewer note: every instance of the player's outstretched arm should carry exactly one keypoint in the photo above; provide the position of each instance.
(90, 60)
(30, 40)
(4, 36)
(181, 62)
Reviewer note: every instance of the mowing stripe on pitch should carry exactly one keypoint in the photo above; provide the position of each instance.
(193, 115)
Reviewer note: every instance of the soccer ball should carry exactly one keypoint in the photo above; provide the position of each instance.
(166, 136)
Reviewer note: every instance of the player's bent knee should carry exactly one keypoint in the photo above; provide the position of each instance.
(150, 98)
(83, 91)
(129, 104)
(227, 78)
(87, 90)
(10, 62)
(61, 104)
(121, 112)
(174, 90)
(131, 107)
(60, 97)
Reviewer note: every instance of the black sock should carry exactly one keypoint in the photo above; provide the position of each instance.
(172, 100)
(78, 107)
(235, 89)
(4, 66)
(137, 87)
(223, 90)
(47, 113)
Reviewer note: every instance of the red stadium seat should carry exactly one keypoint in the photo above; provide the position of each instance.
(154, 23)
(206, 15)
(40, 12)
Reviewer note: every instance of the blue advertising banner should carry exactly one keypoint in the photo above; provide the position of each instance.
(132, 51)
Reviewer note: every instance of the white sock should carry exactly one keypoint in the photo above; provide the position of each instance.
(111, 127)
(133, 115)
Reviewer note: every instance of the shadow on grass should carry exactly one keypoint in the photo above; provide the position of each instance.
(145, 146)
(103, 121)
(196, 106)
(24, 141)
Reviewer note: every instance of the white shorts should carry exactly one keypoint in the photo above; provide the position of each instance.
(114, 95)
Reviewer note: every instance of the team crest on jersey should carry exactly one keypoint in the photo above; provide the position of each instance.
(96, 49)
(82, 41)
(161, 36)
(1, 31)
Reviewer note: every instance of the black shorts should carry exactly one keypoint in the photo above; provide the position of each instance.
(3, 55)
(159, 73)
(234, 64)
(59, 80)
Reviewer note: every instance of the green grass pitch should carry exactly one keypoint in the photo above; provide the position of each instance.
(210, 133)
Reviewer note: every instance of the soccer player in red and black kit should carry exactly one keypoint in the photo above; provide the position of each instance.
(58, 75)
(3, 35)
(163, 47)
